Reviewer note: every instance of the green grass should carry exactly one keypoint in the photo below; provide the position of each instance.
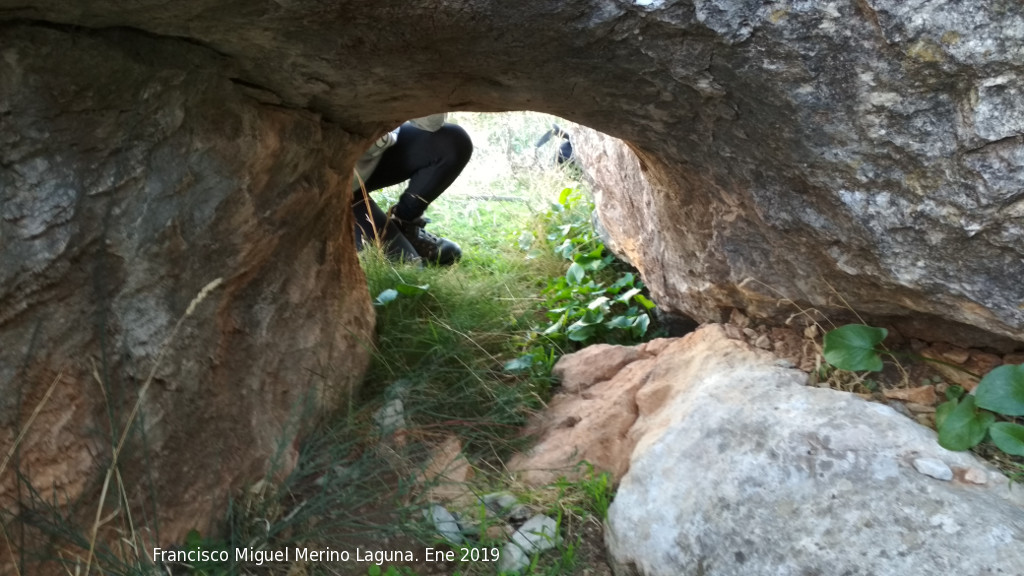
(443, 345)
(444, 339)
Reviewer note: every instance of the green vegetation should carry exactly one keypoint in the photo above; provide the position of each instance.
(462, 353)
(964, 420)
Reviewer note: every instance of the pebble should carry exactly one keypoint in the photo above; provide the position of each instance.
(390, 417)
(899, 407)
(499, 502)
(763, 342)
(738, 318)
(538, 534)
(497, 532)
(933, 467)
(445, 523)
(923, 395)
(519, 513)
(733, 332)
(976, 476)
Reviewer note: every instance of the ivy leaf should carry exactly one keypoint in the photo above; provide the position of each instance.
(526, 240)
(1008, 437)
(625, 296)
(644, 301)
(411, 289)
(563, 197)
(964, 426)
(519, 364)
(386, 297)
(1002, 390)
(575, 274)
(620, 322)
(852, 347)
(588, 262)
(943, 411)
(580, 332)
(623, 281)
(640, 325)
(597, 302)
(556, 327)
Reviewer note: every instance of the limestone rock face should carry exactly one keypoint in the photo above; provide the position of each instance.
(867, 151)
(133, 174)
(736, 468)
(871, 152)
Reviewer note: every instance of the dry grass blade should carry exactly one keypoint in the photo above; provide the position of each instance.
(206, 290)
(31, 419)
(10, 548)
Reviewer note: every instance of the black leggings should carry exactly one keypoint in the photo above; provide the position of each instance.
(430, 161)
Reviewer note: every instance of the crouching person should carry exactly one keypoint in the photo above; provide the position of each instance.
(430, 154)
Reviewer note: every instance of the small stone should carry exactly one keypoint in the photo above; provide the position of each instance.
(469, 529)
(733, 332)
(499, 502)
(976, 476)
(763, 342)
(750, 333)
(519, 513)
(956, 355)
(538, 534)
(738, 318)
(933, 467)
(899, 407)
(983, 362)
(921, 395)
(444, 522)
(497, 532)
(390, 417)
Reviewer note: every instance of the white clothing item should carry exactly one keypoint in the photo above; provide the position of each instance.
(368, 163)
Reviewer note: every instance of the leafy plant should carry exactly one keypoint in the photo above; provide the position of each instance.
(593, 301)
(854, 347)
(964, 420)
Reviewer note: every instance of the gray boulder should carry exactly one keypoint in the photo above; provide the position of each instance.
(742, 470)
(133, 174)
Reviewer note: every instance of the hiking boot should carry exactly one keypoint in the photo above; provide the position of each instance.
(395, 247)
(433, 249)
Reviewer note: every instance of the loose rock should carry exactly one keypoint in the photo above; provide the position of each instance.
(932, 467)
(538, 534)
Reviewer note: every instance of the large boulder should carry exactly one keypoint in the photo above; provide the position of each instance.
(134, 175)
(859, 153)
(734, 467)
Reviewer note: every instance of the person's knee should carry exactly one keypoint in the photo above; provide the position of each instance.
(456, 142)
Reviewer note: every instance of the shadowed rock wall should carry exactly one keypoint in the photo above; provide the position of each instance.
(134, 173)
(870, 146)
